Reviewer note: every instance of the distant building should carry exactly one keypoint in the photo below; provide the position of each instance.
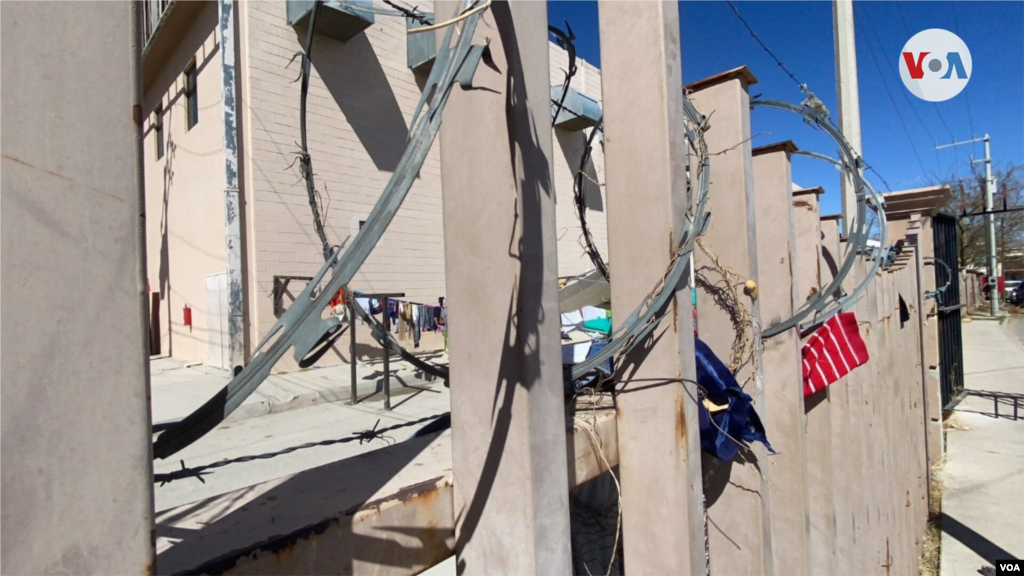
(362, 97)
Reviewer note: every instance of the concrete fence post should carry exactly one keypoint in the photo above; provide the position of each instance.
(845, 471)
(917, 394)
(77, 462)
(864, 385)
(507, 400)
(811, 271)
(645, 166)
(783, 408)
(737, 492)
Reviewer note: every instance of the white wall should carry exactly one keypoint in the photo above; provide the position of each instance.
(185, 188)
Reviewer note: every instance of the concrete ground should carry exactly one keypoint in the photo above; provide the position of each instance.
(286, 411)
(178, 389)
(983, 498)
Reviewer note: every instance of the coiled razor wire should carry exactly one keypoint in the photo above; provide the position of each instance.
(565, 40)
(821, 305)
(377, 330)
(938, 293)
(301, 328)
(646, 316)
(579, 184)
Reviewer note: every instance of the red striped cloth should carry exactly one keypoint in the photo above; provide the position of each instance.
(832, 352)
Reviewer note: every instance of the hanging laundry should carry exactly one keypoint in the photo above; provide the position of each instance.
(833, 351)
(728, 416)
(415, 325)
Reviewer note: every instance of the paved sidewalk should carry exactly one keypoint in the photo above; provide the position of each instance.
(983, 498)
(270, 420)
(177, 390)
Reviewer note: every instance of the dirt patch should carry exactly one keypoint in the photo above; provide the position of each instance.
(931, 554)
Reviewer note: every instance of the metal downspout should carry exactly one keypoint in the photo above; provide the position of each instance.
(232, 203)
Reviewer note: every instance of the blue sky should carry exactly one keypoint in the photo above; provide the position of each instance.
(800, 34)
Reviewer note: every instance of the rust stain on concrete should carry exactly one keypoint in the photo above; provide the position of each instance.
(681, 419)
(426, 489)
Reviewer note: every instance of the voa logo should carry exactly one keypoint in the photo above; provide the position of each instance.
(1009, 567)
(935, 65)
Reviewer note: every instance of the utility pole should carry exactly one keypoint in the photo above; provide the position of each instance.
(848, 94)
(990, 222)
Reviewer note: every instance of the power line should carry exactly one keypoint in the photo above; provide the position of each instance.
(967, 95)
(801, 85)
(904, 20)
(895, 71)
(899, 116)
(906, 28)
(811, 98)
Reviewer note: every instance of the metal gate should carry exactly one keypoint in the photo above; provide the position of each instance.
(951, 350)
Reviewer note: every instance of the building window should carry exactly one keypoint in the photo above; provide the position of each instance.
(191, 96)
(158, 130)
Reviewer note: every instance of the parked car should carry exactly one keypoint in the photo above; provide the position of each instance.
(1014, 292)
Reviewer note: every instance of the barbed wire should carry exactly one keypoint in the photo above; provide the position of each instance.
(411, 13)
(565, 40)
(579, 184)
(362, 436)
(377, 330)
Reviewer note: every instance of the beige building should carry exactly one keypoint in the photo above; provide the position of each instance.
(362, 96)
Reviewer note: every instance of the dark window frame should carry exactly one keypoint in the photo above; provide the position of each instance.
(191, 96)
(158, 130)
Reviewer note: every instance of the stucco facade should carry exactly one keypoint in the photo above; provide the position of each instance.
(362, 96)
(185, 189)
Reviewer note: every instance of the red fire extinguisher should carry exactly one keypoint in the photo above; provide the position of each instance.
(188, 317)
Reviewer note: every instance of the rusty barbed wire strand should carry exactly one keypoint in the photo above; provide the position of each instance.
(579, 200)
(729, 299)
(565, 40)
(362, 436)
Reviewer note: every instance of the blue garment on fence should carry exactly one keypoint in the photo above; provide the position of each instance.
(717, 430)
(739, 420)
(592, 378)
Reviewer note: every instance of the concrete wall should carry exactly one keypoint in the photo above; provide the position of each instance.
(929, 336)
(77, 485)
(185, 190)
